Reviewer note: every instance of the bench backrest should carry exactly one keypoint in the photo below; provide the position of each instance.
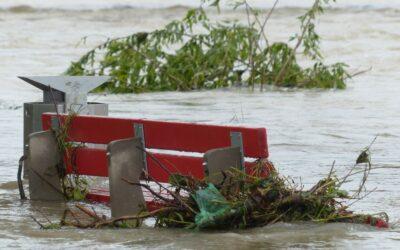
(175, 136)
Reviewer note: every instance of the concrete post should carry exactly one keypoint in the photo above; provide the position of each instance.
(42, 160)
(125, 160)
(221, 160)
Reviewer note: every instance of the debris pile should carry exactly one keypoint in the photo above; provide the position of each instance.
(241, 201)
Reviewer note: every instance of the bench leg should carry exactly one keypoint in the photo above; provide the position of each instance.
(220, 160)
(125, 161)
(42, 160)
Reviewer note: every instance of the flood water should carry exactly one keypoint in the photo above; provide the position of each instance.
(307, 129)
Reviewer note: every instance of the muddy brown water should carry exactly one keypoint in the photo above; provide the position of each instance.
(307, 129)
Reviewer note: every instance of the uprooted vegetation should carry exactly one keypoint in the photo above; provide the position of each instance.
(240, 201)
(197, 53)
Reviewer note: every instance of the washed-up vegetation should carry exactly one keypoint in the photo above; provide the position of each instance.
(241, 201)
(198, 53)
(74, 186)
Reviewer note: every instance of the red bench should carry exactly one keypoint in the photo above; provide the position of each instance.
(158, 135)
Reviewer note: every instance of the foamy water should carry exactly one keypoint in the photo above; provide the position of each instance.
(108, 4)
(308, 129)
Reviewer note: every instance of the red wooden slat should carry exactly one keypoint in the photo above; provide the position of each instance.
(103, 196)
(188, 137)
(89, 161)
(98, 197)
(93, 162)
(185, 165)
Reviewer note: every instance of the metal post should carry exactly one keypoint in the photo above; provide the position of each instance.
(139, 133)
(237, 141)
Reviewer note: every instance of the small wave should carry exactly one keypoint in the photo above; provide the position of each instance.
(12, 107)
(6, 106)
(178, 7)
(11, 185)
(388, 135)
(335, 136)
(21, 9)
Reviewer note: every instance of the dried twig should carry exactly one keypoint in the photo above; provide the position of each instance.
(359, 73)
(135, 217)
(149, 189)
(88, 212)
(35, 220)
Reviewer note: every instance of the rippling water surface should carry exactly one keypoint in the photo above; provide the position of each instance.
(307, 129)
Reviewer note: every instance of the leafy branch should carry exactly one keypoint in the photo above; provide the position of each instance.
(196, 53)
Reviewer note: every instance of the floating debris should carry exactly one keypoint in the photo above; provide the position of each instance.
(240, 201)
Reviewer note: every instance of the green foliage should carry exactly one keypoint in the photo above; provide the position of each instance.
(196, 53)
(76, 187)
(73, 185)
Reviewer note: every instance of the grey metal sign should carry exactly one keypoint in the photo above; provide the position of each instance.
(74, 88)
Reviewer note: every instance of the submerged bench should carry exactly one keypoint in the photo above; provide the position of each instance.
(212, 148)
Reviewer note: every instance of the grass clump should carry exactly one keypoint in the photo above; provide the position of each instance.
(74, 186)
(197, 53)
